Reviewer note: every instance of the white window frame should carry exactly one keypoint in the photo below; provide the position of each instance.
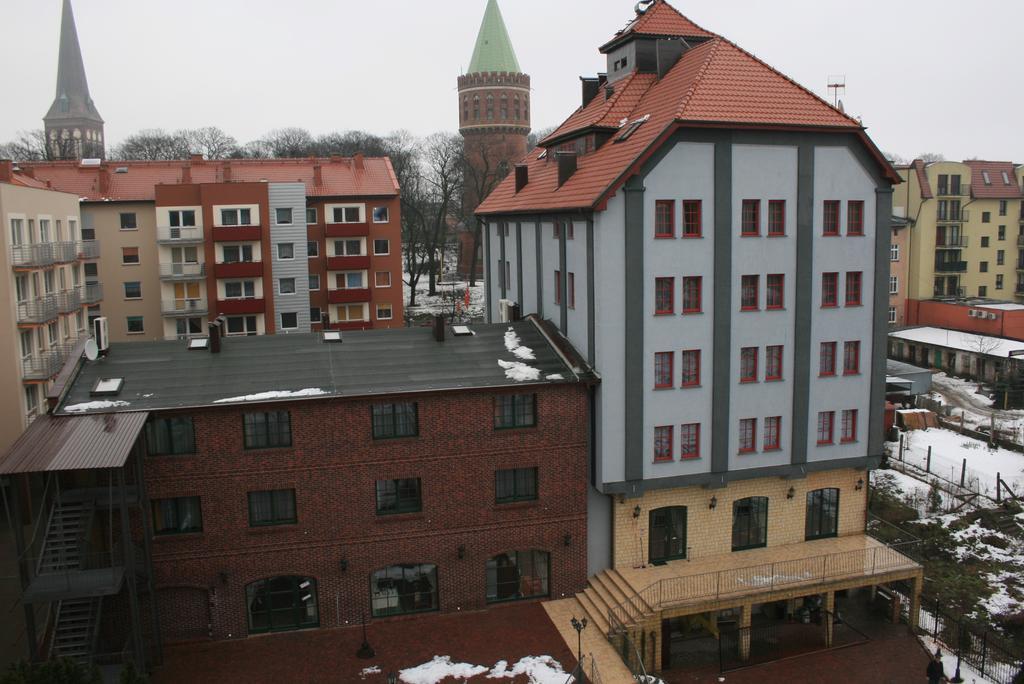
(292, 313)
(387, 214)
(311, 276)
(280, 287)
(241, 284)
(892, 315)
(382, 287)
(316, 249)
(332, 208)
(375, 252)
(364, 314)
(219, 212)
(894, 252)
(345, 241)
(894, 284)
(390, 310)
(291, 216)
(284, 244)
(180, 212)
(345, 275)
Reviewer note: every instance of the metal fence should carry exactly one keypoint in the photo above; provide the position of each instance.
(952, 474)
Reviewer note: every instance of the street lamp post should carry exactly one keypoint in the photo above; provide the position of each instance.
(579, 626)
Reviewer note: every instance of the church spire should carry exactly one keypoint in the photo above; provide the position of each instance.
(493, 51)
(74, 127)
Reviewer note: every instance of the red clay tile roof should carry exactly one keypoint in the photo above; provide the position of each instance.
(996, 188)
(28, 182)
(339, 177)
(661, 19)
(922, 179)
(607, 112)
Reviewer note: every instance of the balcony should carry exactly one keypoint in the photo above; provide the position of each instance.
(964, 190)
(237, 234)
(184, 307)
(44, 365)
(250, 305)
(92, 574)
(239, 269)
(89, 249)
(951, 267)
(69, 301)
(351, 325)
(91, 293)
(961, 216)
(343, 230)
(65, 252)
(38, 310)
(33, 256)
(348, 296)
(176, 235)
(182, 271)
(348, 263)
(959, 242)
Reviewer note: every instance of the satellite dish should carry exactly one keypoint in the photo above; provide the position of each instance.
(92, 351)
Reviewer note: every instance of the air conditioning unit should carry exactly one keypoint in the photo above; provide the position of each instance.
(504, 310)
(972, 313)
(961, 292)
(101, 333)
(991, 316)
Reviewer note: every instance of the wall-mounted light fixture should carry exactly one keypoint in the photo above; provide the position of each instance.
(462, 551)
(860, 484)
(791, 493)
(636, 512)
(713, 504)
(567, 539)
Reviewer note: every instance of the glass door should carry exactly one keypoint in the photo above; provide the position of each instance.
(667, 534)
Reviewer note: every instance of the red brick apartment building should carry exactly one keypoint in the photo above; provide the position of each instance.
(281, 482)
(271, 245)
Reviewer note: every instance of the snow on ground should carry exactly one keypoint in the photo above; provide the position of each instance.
(963, 399)
(1003, 601)
(967, 673)
(367, 671)
(275, 394)
(95, 406)
(448, 292)
(974, 542)
(911, 490)
(539, 669)
(950, 448)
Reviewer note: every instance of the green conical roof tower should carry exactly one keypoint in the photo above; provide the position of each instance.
(493, 51)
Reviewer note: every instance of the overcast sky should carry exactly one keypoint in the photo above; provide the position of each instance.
(925, 75)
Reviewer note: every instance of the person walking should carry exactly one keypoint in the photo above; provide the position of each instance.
(935, 672)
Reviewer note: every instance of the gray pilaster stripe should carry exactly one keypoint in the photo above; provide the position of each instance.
(633, 328)
(722, 327)
(537, 251)
(519, 265)
(591, 311)
(563, 298)
(880, 325)
(801, 373)
(488, 274)
(502, 259)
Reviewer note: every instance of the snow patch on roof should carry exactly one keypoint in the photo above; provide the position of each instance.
(519, 371)
(554, 376)
(954, 339)
(274, 394)
(95, 406)
(514, 345)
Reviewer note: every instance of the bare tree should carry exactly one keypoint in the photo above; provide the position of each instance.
(28, 146)
(152, 144)
(289, 142)
(351, 142)
(539, 134)
(929, 157)
(896, 159)
(210, 141)
(484, 167)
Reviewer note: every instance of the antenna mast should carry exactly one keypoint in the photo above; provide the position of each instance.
(836, 87)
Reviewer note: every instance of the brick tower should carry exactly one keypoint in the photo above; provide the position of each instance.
(494, 118)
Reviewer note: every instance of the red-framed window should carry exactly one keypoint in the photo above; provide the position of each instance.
(851, 358)
(748, 364)
(855, 217)
(663, 362)
(749, 286)
(829, 289)
(848, 426)
(665, 219)
(773, 362)
(775, 291)
(692, 295)
(689, 441)
(556, 230)
(826, 421)
(827, 359)
(831, 218)
(776, 218)
(690, 362)
(692, 217)
(853, 289)
(664, 296)
(572, 290)
(663, 443)
(558, 287)
(748, 435)
(570, 230)
(750, 218)
(772, 429)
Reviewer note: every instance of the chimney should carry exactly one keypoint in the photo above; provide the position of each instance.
(359, 161)
(227, 172)
(591, 86)
(196, 158)
(609, 90)
(566, 166)
(668, 53)
(318, 173)
(522, 176)
(439, 328)
(104, 179)
(6, 171)
(186, 174)
(214, 328)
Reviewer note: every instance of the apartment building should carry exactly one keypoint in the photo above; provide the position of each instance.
(967, 236)
(462, 483)
(715, 239)
(272, 246)
(45, 294)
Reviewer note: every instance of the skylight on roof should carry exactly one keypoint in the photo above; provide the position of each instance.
(1006, 178)
(985, 177)
(461, 330)
(332, 336)
(199, 343)
(630, 129)
(121, 169)
(107, 387)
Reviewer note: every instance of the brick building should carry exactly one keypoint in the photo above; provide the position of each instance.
(289, 482)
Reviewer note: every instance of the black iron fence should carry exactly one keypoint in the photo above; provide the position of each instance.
(770, 641)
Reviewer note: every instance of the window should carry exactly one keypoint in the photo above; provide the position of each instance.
(689, 441)
(235, 217)
(515, 411)
(380, 215)
(180, 218)
(135, 325)
(128, 221)
(853, 289)
(351, 313)
(402, 589)
(242, 325)
(664, 219)
(848, 426)
(772, 430)
(692, 219)
(825, 421)
(667, 535)
(558, 287)
(234, 254)
(775, 291)
(691, 367)
(394, 420)
(517, 575)
(892, 315)
(751, 218)
(283, 216)
(571, 290)
(181, 515)
(663, 443)
(133, 290)
(749, 293)
(855, 217)
(822, 517)
(750, 523)
(664, 296)
(986, 217)
(983, 267)
(286, 286)
(748, 435)
(399, 496)
(851, 358)
(384, 312)
(1002, 233)
(239, 289)
(692, 295)
(894, 252)
(314, 282)
(984, 241)
(999, 281)
(894, 285)
(515, 484)
(773, 362)
(352, 280)
(381, 247)
(285, 250)
(776, 218)
(829, 289)
(31, 401)
(282, 604)
(347, 214)
(170, 436)
(382, 279)
(748, 364)
(982, 290)
(310, 214)
(276, 507)
(831, 218)
(289, 320)
(827, 359)
(129, 255)
(663, 371)
(315, 315)
(1000, 257)
(272, 429)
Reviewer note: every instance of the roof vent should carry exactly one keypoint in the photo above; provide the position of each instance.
(121, 169)
(107, 387)
(91, 162)
(522, 176)
(198, 344)
(461, 330)
(332, 336)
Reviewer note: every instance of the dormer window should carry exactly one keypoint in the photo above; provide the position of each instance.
(985, 177)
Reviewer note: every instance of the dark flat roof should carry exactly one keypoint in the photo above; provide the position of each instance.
(74, 443)
(274, 368)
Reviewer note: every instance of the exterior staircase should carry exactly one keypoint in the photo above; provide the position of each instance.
(604, 591)
(76, 628)
(67, 527)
